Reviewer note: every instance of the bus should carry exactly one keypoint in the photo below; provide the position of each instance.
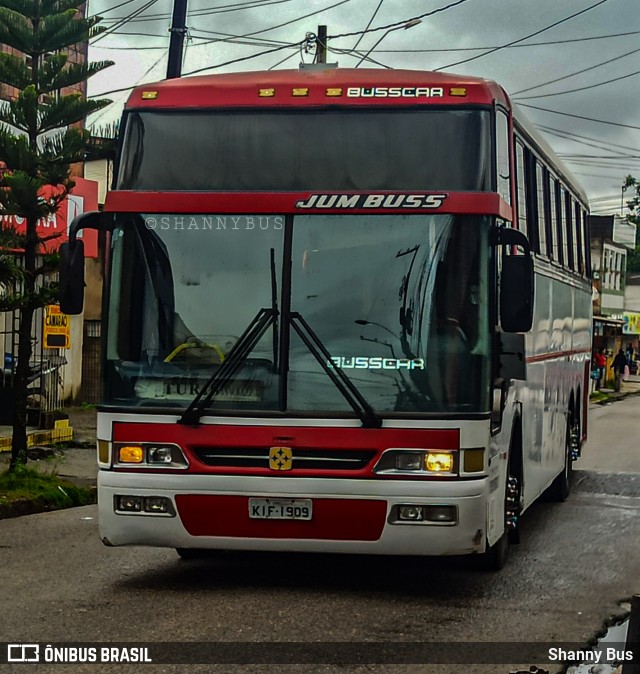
(345, 311)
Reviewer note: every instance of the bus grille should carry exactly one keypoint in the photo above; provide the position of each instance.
(303, 459)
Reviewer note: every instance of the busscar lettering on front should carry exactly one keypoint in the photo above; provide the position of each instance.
(364, 201)
(395, 92)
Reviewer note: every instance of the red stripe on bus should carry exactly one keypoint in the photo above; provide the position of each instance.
(124, 201)
(555, 355)
(333, 519)
(295, 436)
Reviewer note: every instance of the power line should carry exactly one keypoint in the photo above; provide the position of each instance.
(286, 58)
(193, 72)
(229, 37)
(244, 58)
(286, 23)
(359, 55)
(124, 21)
(373, 16)
(571, 135)
(573, 91)
(139, 81)
(589, 119)
(512, 46)
(399, 23)
(578, 72)
(526, 37)
(213, 10)
(110, 9)
(628, 157)
(602, 146)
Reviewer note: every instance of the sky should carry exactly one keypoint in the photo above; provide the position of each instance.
(573, 65)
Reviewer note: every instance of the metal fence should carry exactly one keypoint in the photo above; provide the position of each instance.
(46, 381)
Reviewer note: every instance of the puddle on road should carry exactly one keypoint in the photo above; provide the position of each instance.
(615, 639)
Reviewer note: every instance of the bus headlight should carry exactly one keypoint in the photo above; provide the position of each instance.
(418, 462)
(130, 454)
(149, 455)
(143, 505)
(438, 462)
(161, 454)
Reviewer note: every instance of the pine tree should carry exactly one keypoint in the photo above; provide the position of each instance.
(41, 136)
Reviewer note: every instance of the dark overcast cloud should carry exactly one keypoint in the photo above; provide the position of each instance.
(472, 23)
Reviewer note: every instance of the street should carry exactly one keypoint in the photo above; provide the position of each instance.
(576, 562)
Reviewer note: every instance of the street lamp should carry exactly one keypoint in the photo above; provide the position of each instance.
(404, 26)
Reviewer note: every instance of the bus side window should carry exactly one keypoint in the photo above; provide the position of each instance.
(561, 224)
(521, 188)
(551, 209)
(542, 202)
(580, 259)
(586, 238)
(503, 182)
(572, 232)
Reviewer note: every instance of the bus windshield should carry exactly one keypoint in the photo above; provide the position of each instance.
(291, 150)
(398, 302)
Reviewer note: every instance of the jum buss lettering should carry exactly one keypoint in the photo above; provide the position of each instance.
(373, 201)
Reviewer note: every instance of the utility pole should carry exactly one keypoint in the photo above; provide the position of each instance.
(176, 44)
(321, 45)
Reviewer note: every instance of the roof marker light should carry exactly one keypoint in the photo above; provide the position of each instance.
(302, 91)
(266, 93)
(458, 91)
(333, 91)
(149, 95)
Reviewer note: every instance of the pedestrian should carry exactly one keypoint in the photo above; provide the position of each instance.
(618, 365)
(631, 359)
(600, 363)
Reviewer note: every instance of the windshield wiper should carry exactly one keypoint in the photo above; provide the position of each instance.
(347, 388)
(236, 356)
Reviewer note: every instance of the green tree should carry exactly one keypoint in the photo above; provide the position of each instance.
(41, 136)
(633, 205)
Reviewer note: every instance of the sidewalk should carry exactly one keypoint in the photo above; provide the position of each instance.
(629, 387)
(76, 460)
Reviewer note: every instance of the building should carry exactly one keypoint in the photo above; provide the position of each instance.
(611, 237)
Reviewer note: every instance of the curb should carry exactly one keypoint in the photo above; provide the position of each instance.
(25, 506)
(47, 437)
(614, 397)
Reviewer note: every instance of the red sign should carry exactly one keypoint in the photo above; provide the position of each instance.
(83, 198)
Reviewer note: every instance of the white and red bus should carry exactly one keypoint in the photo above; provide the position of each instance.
(346, 311)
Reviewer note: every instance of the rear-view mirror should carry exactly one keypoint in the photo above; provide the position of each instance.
(516, 293)
(71, 293)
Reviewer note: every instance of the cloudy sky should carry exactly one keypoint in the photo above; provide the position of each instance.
(575, 62)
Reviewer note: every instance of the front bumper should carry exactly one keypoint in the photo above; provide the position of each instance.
(350, 516)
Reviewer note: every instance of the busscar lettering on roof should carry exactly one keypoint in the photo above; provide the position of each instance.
(373, 201)
(395, 92)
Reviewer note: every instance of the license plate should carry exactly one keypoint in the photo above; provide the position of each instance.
(280, 509)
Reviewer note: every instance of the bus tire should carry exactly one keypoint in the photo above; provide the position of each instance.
(495, 556)
(560, 488)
